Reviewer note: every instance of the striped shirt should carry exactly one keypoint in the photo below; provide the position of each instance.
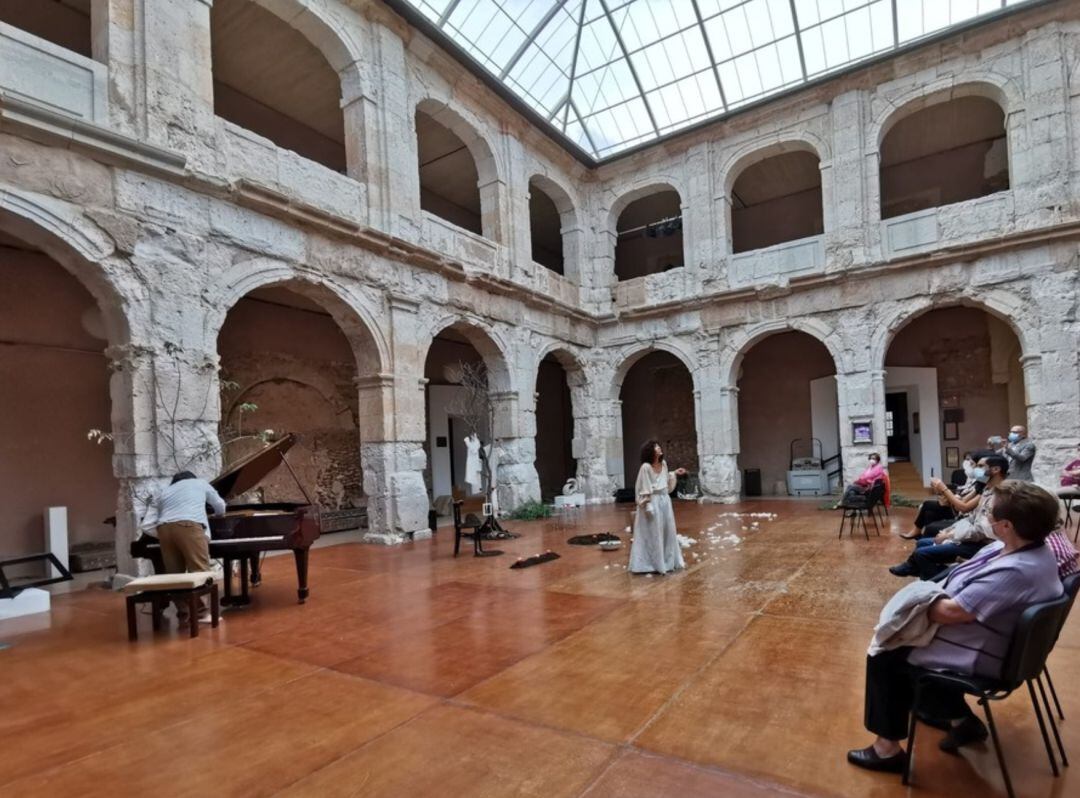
(996, 588)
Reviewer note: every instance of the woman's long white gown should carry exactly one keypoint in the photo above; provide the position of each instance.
(656, 544)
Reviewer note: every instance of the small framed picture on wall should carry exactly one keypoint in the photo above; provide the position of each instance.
(951, 431)
(862, 432)
(952, 456)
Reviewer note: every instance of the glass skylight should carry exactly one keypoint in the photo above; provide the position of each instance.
(611, 74)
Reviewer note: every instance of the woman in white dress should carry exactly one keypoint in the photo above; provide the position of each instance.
(656, 544)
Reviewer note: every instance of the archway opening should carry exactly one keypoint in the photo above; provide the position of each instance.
(52, 352)
(775, 200)
(288, 367)
(65, 23)
(269, 79)
(449, 180)
(787, 398)
(545, 226)
(555, 461)
(649, 236)
(953, 378)
(949, 152)
(657, 397)
(452, 409)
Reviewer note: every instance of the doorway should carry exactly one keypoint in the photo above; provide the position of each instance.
(896, 426)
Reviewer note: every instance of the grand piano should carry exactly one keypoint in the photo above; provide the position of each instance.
(244, 531)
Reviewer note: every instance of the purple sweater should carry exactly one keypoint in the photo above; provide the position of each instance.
(996, 588)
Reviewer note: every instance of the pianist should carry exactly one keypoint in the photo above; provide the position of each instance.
(182, 528)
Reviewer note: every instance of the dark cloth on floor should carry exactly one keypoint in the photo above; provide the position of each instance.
(890, 695)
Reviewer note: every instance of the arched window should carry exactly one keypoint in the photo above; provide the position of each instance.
(545, 226)
(949, 152)
(776, 199)
(649, 235)
(294, 101)
(449, 181)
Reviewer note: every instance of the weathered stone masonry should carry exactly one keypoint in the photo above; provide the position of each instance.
(170, 215)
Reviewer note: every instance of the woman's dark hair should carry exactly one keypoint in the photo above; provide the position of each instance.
(648, 451)
(181, 476)
(997, 461)
(875, 455)
(1032, 510)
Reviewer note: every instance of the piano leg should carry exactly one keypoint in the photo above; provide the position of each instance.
(301, 556)
(245, 598)
(256, 572)
(227, 599)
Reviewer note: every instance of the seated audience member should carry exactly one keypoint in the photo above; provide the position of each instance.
(860, 487)
(1070, 480)
(983, 601)
(962, 538)
(1068, 559)
(1019, 450)
(937, 514)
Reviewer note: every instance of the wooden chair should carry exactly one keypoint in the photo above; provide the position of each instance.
(461, 529)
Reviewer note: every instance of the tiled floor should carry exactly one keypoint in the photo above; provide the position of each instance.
(409, 673)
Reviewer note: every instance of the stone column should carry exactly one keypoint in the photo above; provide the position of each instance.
(847, 177)
(516, 481)
(176, 75)
(718, 443)
(392, 448)
(860, 397)
(598, 432)
(166, 407)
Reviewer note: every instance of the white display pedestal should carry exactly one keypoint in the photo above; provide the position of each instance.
(31, 601)
(56, 537)
(573, 500)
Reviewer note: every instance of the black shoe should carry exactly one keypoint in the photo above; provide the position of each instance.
(971, 730)
(868, 759)
(903, 569)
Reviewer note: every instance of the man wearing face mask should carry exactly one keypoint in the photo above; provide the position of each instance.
(963, 538)
(1020, 451)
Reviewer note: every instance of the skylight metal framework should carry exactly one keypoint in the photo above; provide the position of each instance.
(613, 74)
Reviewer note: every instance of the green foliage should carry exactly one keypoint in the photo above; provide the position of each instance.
(530, 511)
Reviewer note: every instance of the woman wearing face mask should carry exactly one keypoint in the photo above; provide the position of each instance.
(656, 544)
(860, 487)
(940, 513)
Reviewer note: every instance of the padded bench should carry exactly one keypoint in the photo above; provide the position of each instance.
(161, 589)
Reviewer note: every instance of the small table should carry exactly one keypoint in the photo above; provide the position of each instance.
(159, 590)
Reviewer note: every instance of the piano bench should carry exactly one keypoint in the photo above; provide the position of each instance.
(161, 589)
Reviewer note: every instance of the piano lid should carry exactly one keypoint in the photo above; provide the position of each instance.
(245, 474)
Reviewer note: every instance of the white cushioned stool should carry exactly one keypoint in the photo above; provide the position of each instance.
(160, 589)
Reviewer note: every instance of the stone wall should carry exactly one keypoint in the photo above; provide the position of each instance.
(170, 216)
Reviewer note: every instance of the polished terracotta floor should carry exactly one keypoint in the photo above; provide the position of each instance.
(409, 673)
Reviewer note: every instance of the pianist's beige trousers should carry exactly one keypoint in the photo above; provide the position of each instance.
(184, 548)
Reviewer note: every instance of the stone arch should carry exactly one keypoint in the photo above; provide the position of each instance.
(745, 339)
(486, 341)
(488, 168)
(991, 85)
(81, 247)
(324, 29)
(356, 316)
(564, 203)
(1001, 304)
(353, 314)
(569, 225)
(778, 144)
(681, 353)
(642, 188)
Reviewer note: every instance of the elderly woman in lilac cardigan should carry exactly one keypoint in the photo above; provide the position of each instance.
(982, 602)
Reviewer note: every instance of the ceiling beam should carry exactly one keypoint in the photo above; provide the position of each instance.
(630, 64)
(450, 9)
(709, 52)
(798, 37)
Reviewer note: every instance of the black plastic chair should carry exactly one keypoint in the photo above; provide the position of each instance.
(856, 508)
(1072, 587)
(876, 499)
(1034, 638)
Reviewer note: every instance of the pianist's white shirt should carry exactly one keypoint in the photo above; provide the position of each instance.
(184, 501)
